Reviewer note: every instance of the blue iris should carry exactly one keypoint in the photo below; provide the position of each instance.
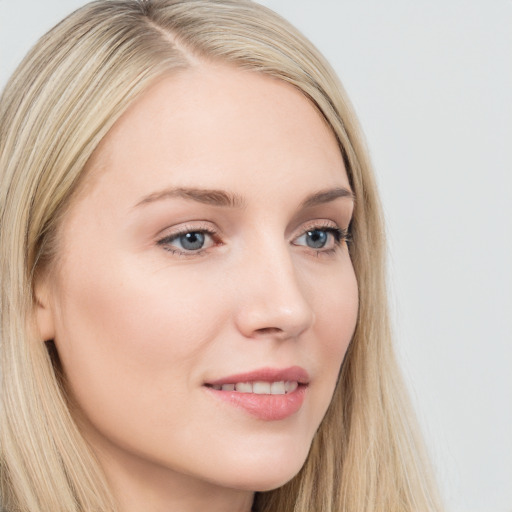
(192, 241)
(316, 239)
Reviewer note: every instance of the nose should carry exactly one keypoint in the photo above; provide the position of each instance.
(271, 300)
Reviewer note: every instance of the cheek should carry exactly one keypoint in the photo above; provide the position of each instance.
(336, 317)
(131, 333)
(336, 305)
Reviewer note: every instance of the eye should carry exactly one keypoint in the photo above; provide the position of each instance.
(188, 242)
(322, 238)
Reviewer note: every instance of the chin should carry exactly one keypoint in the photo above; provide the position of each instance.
(275, 483)
(264, 482)
(258, 474)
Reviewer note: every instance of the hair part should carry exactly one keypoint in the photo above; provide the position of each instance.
(58, 106)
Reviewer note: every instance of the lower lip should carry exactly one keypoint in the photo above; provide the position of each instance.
(264, 407)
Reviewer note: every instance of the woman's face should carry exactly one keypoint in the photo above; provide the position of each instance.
(204, 296)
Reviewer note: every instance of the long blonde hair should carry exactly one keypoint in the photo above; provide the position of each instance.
(60, 103)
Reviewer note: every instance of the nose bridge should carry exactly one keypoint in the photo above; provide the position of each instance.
(272, 300)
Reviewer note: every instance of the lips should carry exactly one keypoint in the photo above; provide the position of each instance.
(291, 374)
(268, 394)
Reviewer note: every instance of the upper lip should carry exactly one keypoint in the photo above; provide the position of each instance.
(293, 373)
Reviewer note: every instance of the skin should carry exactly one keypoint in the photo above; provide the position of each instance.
(140, 325)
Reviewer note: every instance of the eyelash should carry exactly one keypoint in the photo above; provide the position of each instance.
(206, 230)
(340, 236)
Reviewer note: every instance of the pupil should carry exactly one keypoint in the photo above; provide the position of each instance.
(316, 239)
(192, 241)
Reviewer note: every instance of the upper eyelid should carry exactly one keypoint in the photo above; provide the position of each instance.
(316, 224)
(206, 226)
(186, 227)
(209, 228)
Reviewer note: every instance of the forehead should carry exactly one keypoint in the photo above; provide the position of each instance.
(221, 127)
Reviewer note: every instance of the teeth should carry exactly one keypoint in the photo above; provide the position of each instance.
(243, 387)
(290, 386)
(277, 388)
(260, 387)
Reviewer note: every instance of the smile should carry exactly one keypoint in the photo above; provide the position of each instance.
(260, 387)
(268, 394)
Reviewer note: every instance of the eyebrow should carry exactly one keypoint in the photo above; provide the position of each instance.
(200, 195)
(326, 196)
(225, 199)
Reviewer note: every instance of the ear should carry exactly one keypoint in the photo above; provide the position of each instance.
(43, 311)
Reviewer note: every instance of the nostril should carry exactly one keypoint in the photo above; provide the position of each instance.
(269, 330)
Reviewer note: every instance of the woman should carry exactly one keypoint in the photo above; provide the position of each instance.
(190, 224)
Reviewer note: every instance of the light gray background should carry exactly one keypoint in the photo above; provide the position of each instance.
(432, 84)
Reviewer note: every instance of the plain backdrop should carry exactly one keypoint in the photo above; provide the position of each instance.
(431, 82)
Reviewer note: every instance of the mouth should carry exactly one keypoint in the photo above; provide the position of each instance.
(259, 387)
(267, 394)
